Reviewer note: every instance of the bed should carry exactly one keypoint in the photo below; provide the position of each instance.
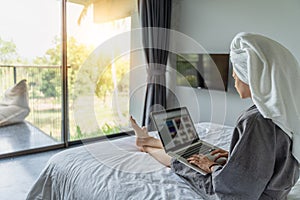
(117, 170)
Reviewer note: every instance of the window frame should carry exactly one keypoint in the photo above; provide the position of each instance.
(65, 133)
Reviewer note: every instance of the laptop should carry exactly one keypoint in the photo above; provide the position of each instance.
(179, 137)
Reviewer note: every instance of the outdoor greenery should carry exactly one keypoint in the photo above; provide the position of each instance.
(44, 82)
(8, 52)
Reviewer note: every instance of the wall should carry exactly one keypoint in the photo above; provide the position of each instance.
(213, 24)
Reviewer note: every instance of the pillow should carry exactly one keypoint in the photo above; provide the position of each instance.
(14, 107)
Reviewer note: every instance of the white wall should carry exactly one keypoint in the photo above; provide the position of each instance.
(213, 24)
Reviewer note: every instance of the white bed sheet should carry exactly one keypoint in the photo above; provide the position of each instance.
(117, 170)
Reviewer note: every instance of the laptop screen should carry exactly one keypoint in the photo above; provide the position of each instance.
(175, 128)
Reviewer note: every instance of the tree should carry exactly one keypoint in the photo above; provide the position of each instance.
(79, 55)
(51, 81)
(8, 52)
(105, 83)
(49, 84)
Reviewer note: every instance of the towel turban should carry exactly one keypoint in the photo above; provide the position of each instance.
(273, 76)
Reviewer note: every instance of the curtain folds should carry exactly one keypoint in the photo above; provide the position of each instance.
(155, 18)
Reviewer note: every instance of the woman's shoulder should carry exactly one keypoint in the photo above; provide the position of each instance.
(252, 116)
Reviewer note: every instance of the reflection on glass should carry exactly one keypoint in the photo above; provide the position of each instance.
(208, 71)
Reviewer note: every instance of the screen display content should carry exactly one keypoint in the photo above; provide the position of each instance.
(176, 128)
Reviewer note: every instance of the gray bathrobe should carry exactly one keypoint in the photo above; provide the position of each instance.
(260, 164)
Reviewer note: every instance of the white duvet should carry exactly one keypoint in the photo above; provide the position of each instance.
(117, 170)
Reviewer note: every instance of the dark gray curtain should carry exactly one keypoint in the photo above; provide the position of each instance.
(155, 17)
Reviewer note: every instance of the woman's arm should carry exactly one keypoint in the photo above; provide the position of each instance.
(251, 163)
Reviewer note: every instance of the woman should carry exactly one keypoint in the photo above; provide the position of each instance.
(263, 160)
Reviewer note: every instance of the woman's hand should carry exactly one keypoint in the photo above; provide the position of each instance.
(202, 162)
(220, 153)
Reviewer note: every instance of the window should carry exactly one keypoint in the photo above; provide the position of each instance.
(106, 109)
(31, 48)
(30, 33)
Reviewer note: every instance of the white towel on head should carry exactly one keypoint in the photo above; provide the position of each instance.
(239, 60)
(273, 75)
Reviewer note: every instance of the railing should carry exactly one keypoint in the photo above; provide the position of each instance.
(44, 90)
(45, 99)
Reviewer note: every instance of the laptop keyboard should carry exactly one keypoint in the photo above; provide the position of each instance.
(197, 149)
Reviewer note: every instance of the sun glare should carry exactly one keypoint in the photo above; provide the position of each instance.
(90, 33)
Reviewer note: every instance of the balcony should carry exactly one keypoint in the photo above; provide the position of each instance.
(36, 37)
(42, 126)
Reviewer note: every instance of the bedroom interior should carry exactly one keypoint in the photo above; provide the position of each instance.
(26, 160)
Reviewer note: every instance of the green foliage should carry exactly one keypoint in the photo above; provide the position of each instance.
(50, 84)
(79, 133)
(45, 83)
(109, 129)
(105, 84)
(105, 129)
(8, 52)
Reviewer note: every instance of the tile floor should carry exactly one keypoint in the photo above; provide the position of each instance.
(23, 136)
(18, 174)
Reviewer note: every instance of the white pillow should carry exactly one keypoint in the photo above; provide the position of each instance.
(14, 107)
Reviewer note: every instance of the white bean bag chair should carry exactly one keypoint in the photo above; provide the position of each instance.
(14, 107)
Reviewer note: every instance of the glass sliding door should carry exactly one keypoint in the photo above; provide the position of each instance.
(30, 49)
(97, 90)
(98, 81)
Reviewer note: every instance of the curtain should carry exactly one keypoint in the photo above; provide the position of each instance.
(155, 17)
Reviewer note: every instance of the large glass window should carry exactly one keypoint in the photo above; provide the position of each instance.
(30, 48)
(105, 110)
